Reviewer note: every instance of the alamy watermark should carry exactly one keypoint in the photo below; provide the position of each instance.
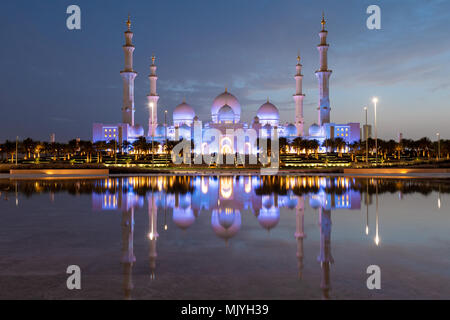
(73, 22)
(210, 146)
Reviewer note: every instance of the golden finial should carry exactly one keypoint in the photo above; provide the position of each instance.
(323, 21)
(153, 59)
(226, 89)
(298, 56)
(267, 99)
(129, 22)
(184, 99)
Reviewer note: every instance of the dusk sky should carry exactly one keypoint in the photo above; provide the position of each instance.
(60, 81)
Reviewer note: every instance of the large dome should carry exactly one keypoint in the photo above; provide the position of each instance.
(223, 99)
(268, 111)
(183, 113)
(226, 114)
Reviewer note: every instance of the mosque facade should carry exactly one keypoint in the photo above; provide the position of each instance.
(226, 113)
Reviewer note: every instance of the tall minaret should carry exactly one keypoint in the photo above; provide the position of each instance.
(128, 76)
(323, 75)
(152, 100)
(298, 98)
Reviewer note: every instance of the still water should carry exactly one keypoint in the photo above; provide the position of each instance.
(236, 237)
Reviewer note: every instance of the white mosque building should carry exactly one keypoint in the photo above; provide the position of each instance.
(225, 112)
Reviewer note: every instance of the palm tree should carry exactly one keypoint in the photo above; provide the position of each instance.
(99, 147)
(340, 144)
(140, 145)
(299, 144)
(9, 147)
(329, 145)
(28, 145)
(313, 145)
(283, 144)
(126, 146)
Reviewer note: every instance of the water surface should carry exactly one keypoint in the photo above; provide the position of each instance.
(225, 238)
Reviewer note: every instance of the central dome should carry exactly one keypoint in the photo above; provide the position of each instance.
(226, 114)
(228, 99)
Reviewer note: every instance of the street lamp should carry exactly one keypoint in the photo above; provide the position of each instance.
(375, 101)
(366, 133)
(439, 145)
(165, 132)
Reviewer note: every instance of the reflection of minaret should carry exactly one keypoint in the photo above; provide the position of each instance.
(153, 233)
(323, 75)
(298, 98)
(299, 233)
(128, 76)
(128, 258)
(325, 257)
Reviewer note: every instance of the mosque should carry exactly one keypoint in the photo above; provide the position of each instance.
(225, 112)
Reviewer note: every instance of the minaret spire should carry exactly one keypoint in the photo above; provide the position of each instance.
(323, 75)
(153, 98)
(128, 76)
(298, 98)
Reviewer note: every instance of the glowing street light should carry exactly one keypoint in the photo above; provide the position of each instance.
(366, 133)
(375, 101)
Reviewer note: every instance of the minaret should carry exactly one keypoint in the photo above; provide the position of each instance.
(323, 75)
(298, 98)
(128, 76)
(152, 100)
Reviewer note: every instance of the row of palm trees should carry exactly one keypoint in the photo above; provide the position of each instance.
(32, 149)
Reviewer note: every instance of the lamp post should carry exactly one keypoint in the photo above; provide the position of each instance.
(439, 145)
(366, 133)
(151, 129)
(17, 148)
(375, 100)
(377, 238)
(165, 133)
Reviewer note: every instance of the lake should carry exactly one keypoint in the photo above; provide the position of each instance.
(227, 237)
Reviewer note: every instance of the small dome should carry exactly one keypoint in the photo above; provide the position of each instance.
(314, 130)
(290, 130)
(226, 114)
(268, 111)
(315, 202)
(183, 218)
(256, 119)
(269, 218)
(160, 131)
(183, 112)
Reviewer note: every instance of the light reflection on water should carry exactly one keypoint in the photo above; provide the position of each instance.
(226, 200)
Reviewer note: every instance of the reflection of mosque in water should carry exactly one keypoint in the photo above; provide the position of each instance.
(225, 198)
